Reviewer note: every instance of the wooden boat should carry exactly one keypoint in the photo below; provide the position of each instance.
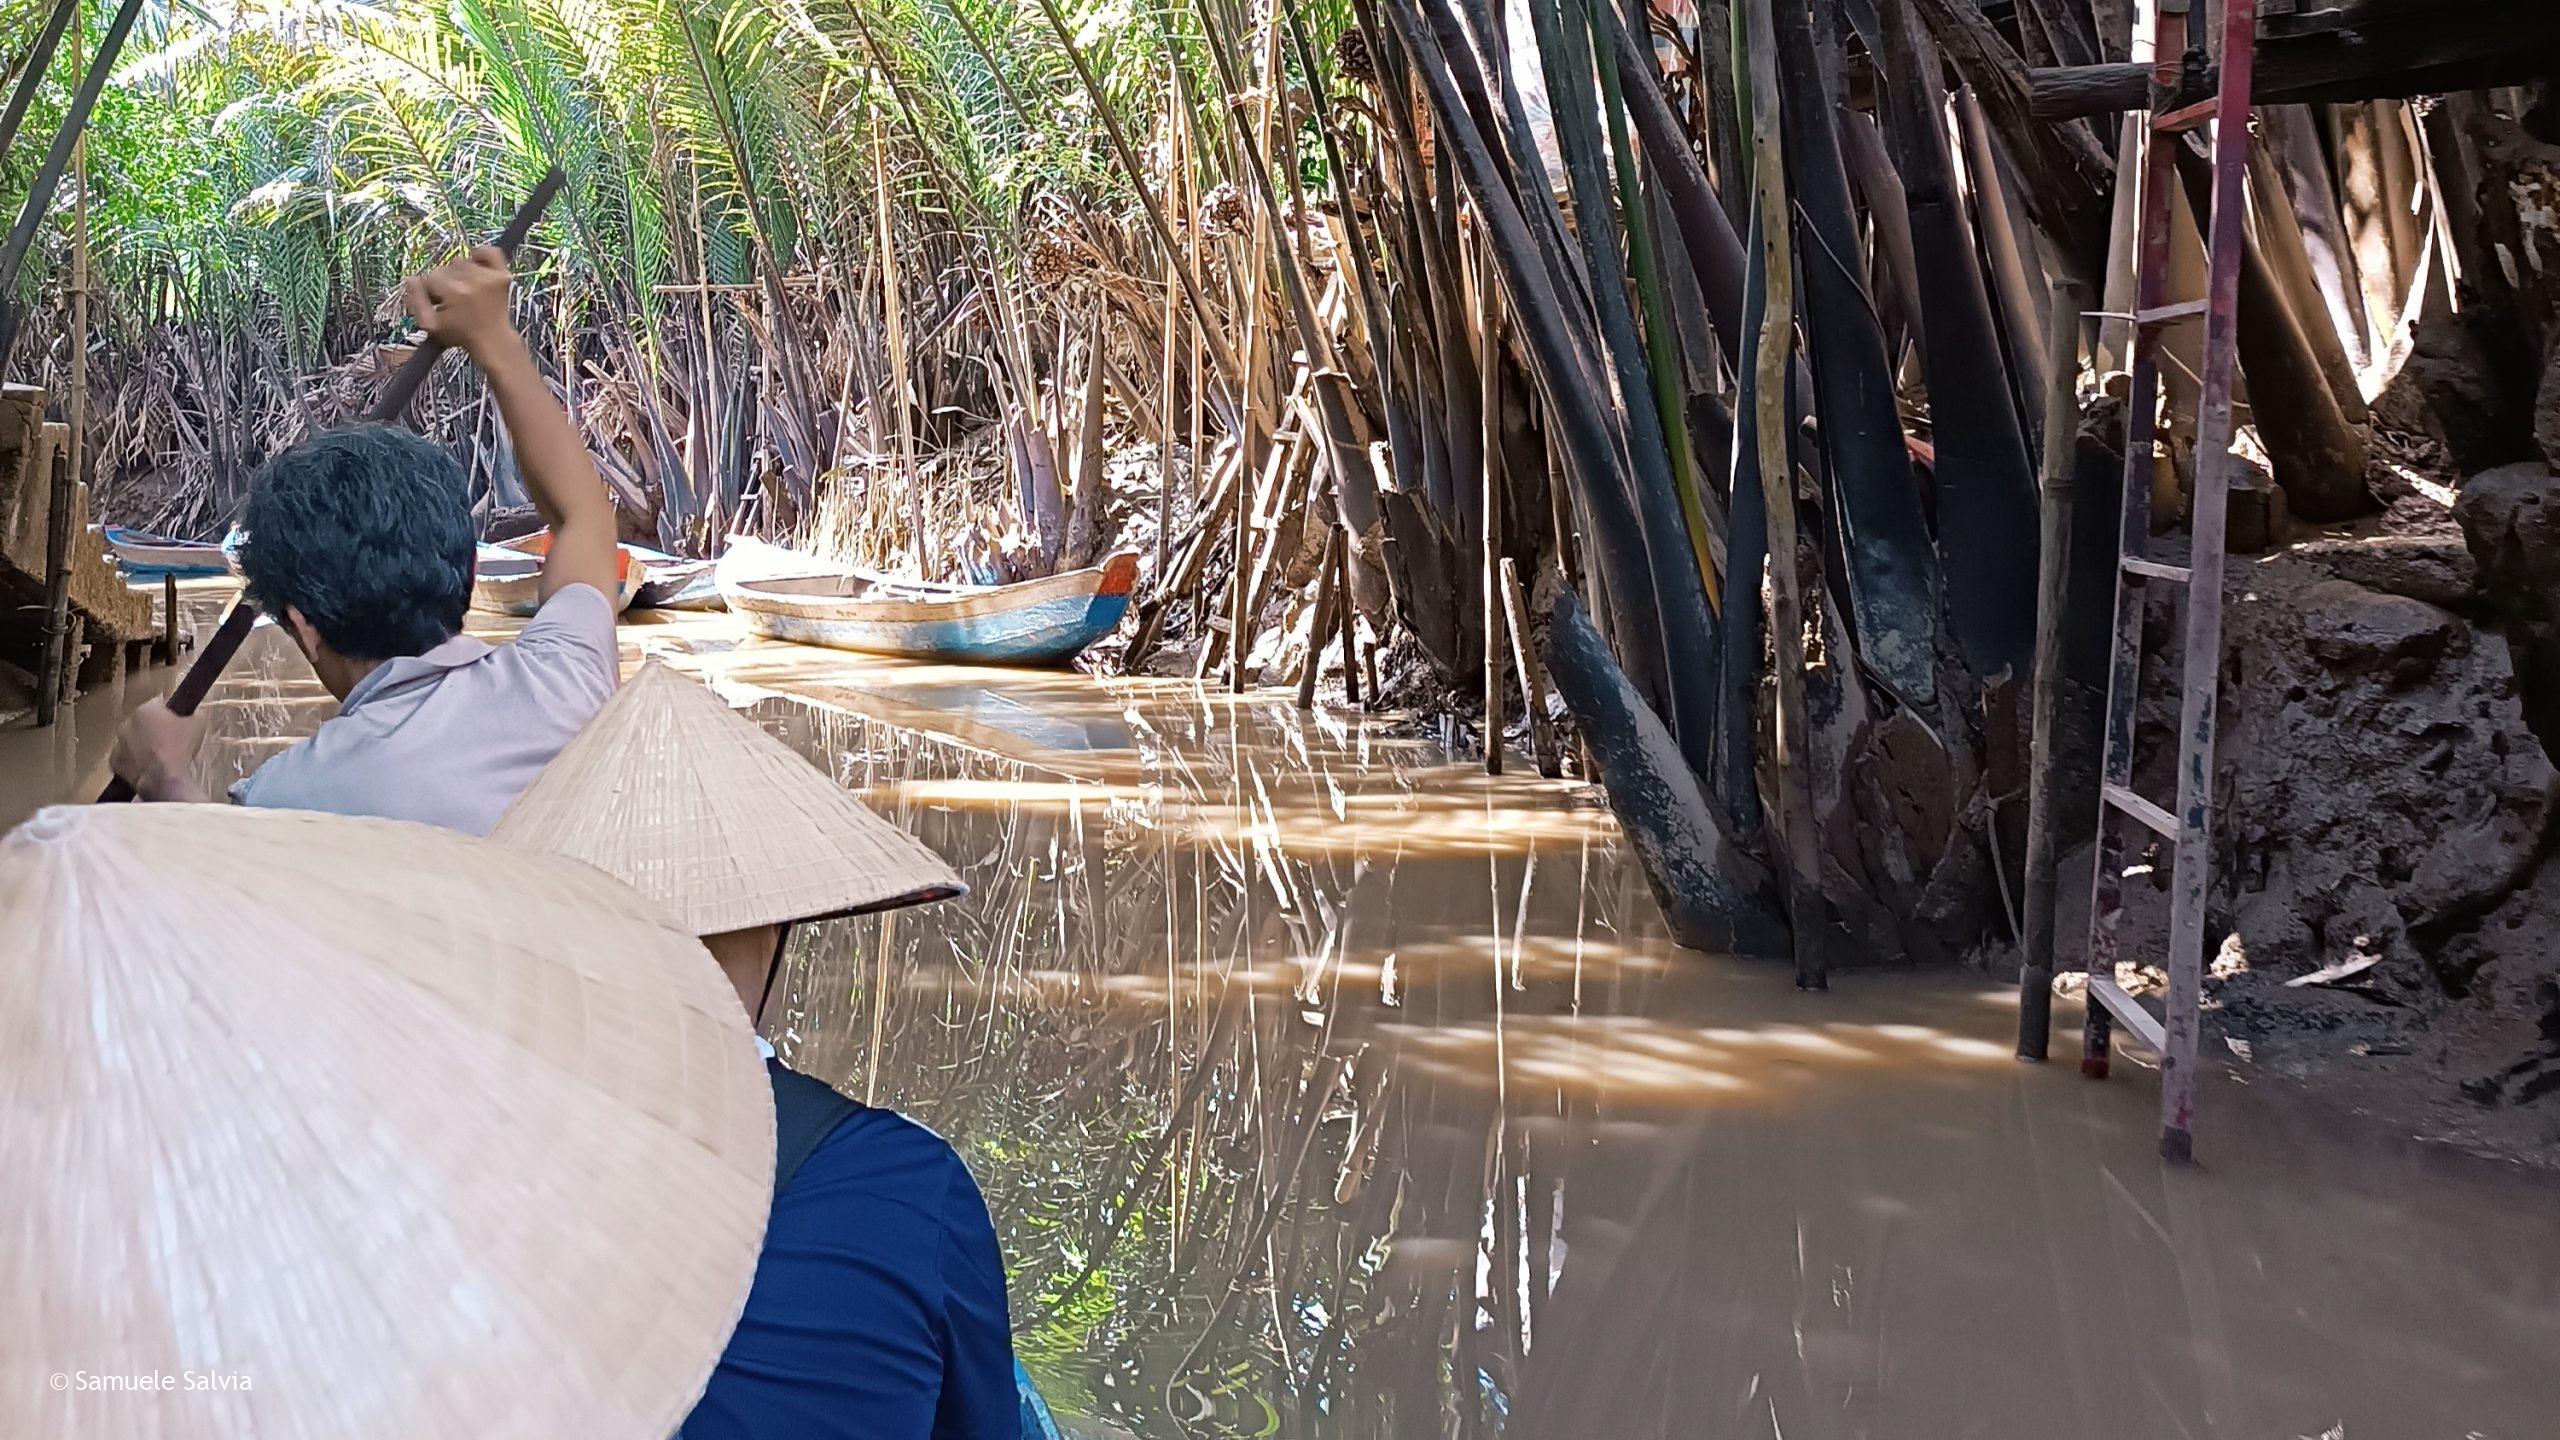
(675, 583)
(507, 579)
(787, 596)
(142, 555)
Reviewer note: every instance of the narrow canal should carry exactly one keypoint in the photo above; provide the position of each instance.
(1321, 1087)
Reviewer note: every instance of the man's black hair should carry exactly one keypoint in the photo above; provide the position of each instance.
(367, 532)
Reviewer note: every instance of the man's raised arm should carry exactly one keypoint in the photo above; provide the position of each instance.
(464, 304)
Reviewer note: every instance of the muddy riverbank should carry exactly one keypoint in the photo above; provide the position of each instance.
(1321, 1087)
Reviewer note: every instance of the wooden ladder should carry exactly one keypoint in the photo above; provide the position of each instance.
(2179, 29)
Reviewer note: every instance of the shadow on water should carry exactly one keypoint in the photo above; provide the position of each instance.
(1321, 1088)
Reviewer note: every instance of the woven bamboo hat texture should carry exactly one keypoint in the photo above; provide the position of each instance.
(348, 1127)
(694, 806)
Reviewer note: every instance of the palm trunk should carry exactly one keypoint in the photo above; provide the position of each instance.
(1986, 491)
(1892, 576)
(1559, 367)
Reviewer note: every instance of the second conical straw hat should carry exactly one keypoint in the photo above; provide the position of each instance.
(694, 806)
(315, 1127)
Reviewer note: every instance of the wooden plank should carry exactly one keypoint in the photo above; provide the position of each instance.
(2383, 54)
(97, 590)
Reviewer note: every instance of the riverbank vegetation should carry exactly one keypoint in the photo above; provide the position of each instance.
(1470, 349)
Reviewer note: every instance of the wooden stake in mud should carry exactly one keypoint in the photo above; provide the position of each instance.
(75, 649)
(57, 591)
(1320, 624)
(1349, 616)
(168, 619)
(2053, 585)
(242, 617)
(1533, 681)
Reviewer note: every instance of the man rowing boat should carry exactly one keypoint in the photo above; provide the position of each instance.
(359, 544)
(879, 1309)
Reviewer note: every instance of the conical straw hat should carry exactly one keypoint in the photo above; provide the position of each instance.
(359, 1128)
(693, 805)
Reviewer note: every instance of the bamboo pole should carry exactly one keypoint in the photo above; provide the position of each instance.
(57, 593)
(895, 392)
(1239, 583)
(1176, 172)
(60, 658)
(1777, 485)
(706, 456)
(67, 137)
(1533, 680)
(2053, 588)
(1320, 624)
(1489, 388)
(75, 408)
(1348, 614)
(1239, 375)
(169, 619)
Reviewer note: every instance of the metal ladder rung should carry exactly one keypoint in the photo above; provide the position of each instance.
(2171, 314)
(2132, 1014)
(2141, 809)
(2186, 117)
(2157, 570)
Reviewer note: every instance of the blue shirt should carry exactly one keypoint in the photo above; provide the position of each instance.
(878, 1311)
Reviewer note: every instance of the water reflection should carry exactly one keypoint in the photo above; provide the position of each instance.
(1323, 1089)
(1326, 1097)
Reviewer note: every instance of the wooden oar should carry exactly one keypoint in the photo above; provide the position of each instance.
(225, 641)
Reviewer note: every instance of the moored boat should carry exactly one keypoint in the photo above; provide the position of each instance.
(672, 582)
(142, 555)
(507, 579)
(1047, 621)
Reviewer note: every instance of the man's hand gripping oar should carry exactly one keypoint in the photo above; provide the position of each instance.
(226, 639)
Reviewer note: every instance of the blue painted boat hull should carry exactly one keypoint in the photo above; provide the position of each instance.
(141, 555)
(1037, 622)
(1048, 634)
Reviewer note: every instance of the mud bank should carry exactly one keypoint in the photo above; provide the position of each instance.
(2386, 922)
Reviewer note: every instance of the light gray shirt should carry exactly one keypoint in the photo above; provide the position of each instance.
(451, 737)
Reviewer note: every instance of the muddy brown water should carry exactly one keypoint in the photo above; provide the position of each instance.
(1321, 1087)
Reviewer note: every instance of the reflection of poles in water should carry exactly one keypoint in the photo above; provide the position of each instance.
(1221, 1176)
(1581, 926)
(1308, 1123)
(888, 941)
(1493, 924)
